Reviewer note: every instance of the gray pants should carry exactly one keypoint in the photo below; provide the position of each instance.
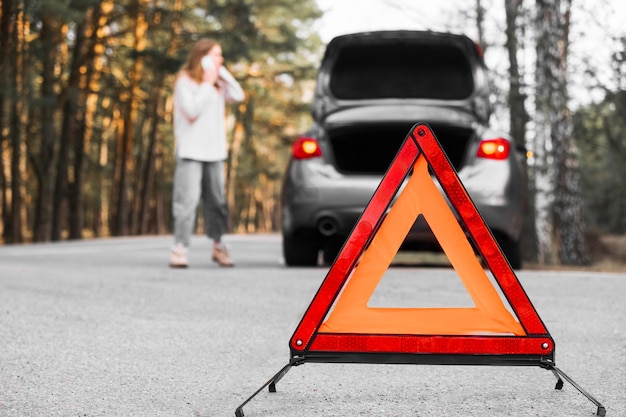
(192, 180)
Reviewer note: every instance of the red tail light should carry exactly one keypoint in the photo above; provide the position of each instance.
(305, 148)
(479, 50)
(497, 149)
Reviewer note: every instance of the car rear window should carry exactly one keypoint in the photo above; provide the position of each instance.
(402, 69)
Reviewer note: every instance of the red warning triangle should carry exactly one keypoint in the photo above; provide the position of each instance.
(339, 326)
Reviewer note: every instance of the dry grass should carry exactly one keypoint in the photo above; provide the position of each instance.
(608, 253)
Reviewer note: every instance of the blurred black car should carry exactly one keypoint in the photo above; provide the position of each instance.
(371, 89)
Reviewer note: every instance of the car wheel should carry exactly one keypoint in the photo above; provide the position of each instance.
(300, 251)
(332, 248)
(511, 249)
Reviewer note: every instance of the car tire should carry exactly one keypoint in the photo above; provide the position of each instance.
(511, 249)
(332, 249)
(300, 251)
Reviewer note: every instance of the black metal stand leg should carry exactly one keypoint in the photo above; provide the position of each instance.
(558, 373)
(271, 383)
(559, 381)
(280, 375)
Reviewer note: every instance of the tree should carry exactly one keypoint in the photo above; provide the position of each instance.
(518, 116)
(86, 142)
(43, 163)
(559, 203)
(154, 113)
(7, 28)
(600, 129)
(16, 120)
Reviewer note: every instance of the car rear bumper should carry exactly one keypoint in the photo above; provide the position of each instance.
(333, 206)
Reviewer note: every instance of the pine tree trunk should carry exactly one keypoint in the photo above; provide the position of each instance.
(76, 184)
(557, 178)
(7, 29)
(61, 182)
(50, 38)
(243, 120)
(154, 109)
(68, 213)
(569, 219)
(84, 54)
(518, 119)
(125, 217)
(99, 205)
(546, 85)
(13, 231)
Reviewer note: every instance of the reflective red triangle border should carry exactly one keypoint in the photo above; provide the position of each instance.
(536, 347)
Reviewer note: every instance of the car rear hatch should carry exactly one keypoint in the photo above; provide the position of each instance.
(373, 86)
(399, 68)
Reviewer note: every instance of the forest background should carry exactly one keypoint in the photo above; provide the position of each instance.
(86, 139)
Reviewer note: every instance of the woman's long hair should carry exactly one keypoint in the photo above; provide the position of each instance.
(193, 67)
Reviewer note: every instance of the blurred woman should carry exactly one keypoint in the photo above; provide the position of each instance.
(203, 86)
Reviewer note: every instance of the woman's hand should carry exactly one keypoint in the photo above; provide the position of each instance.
(211, 70)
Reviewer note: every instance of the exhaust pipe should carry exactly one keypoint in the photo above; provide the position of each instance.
(327, 226)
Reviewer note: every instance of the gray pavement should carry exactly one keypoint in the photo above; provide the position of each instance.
(105, 328)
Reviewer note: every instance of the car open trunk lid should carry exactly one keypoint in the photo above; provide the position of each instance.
(393, 67)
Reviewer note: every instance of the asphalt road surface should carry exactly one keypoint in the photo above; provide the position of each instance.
(105, 328)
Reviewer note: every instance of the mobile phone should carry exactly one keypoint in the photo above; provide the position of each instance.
(207, 63)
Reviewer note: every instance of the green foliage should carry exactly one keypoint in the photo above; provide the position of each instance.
(600, 130)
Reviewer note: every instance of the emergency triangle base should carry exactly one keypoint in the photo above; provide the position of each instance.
(340, 327)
